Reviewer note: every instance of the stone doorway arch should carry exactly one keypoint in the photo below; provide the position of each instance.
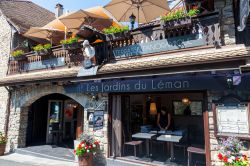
(21, 100)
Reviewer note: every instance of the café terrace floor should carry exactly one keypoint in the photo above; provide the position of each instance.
(158, 158)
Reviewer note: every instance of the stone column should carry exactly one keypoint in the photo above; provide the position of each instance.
(225, 8)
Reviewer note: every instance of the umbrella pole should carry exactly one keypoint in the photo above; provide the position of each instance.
(138, 8)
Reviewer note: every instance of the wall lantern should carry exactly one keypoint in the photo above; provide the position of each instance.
(229, 82)
(132, 20)
(185, 100)
(153, 109)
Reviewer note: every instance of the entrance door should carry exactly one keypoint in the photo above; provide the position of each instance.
(54, 121)
(70, 116)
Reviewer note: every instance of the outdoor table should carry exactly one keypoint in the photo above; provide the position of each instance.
(171, 139)
(147, 137)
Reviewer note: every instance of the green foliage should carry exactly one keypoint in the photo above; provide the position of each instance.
(3, 138)
(113, 29)
(179, 14)
(40, 47)
(17, 53)
(70, 40)
(47, 46)
(193, 12)
(87, 145)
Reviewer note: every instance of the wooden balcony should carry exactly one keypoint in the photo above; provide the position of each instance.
(147, 40)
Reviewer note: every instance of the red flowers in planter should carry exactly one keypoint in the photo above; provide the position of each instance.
(231, 153)
(87, 146)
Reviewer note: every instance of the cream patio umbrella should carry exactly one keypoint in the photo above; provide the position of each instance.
(146, 10)
(75, 20)
(45, 33)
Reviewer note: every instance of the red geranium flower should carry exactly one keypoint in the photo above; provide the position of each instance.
(225, 159)
(220, 156)
(245, 157)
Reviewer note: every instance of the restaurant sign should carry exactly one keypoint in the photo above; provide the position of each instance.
(176, 83)
(175, 43)
(243, 14)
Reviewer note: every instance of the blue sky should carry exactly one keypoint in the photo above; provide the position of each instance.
(71, 5)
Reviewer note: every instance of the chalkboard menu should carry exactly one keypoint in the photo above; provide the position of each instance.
(232, 119)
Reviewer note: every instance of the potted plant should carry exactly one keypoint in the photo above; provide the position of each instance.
(230, 153)
(85, 150)
(3, 141)
(18, 54)
(116, 33)
(178, 18)
(71, 43)
(42, 49)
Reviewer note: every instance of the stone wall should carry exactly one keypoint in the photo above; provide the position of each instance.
(102, 134)
(5, 38)
(215, 95)
(22, 98)
(225, 8)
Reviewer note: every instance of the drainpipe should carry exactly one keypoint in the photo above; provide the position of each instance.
(7, 114)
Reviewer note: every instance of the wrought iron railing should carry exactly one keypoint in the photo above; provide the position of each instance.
(148, 39)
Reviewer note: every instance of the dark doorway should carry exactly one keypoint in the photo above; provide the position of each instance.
(37, 122)
(61, 110)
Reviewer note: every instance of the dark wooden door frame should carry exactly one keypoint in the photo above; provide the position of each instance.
(206, 130)
(207, 138)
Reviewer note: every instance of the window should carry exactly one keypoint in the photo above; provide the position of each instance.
(194, 108)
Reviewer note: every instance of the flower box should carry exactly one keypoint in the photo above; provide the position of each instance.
(43, 52)
(187, 21)
(72, 46)
(118, 36)
(19, 58)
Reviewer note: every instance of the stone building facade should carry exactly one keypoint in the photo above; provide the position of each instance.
(13, 25)
(5, 45)
(22, 98)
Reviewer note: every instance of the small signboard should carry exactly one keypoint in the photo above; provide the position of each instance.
(232, 119)
(87, 72)
(90, 116)
(243, 14)
(98, 119)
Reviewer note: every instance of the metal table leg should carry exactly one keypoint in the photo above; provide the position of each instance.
(172, 151)
(147, 147)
